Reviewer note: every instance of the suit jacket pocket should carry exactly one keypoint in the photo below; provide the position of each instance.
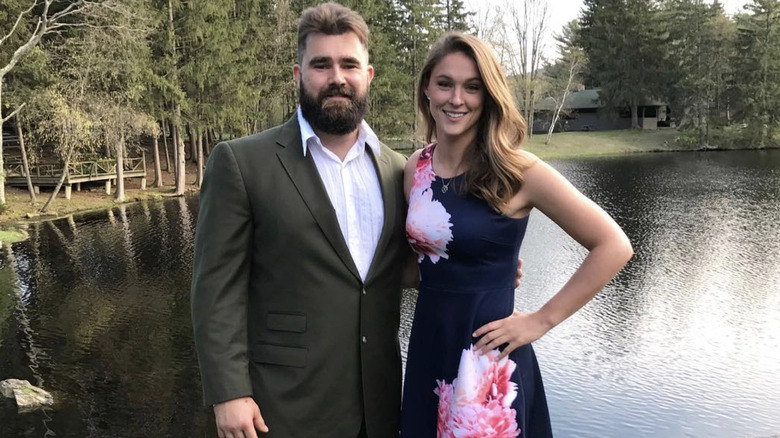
(280, 355)
(286, 322)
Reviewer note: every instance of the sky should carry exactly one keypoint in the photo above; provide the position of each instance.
(563, 11)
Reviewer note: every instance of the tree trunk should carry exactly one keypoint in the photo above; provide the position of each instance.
(572, 71)
(634, 116)
(60, 182)
(2, 164)
(25, 163)
(193, 143)
(181, 173)
(120, 170)
(199, 181)
(208, 141)
(175, 140)
(165, 142)
(530, 120)
(556, 115)
(157, 168)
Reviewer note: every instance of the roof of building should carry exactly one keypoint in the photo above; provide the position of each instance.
(585, 99)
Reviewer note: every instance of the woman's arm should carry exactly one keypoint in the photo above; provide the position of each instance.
(609, 250)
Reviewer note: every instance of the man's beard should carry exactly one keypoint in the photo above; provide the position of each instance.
(334, 117)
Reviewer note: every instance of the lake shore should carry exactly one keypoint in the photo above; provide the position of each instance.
(20, 210)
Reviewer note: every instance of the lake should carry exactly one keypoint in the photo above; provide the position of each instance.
(685, 342)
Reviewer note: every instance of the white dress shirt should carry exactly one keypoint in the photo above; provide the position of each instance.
(353, 188)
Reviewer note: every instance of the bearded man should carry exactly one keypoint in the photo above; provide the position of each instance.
(298, 256)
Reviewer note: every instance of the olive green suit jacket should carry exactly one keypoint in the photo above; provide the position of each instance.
(279, 310)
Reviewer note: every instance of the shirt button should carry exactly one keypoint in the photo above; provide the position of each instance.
(364, 339)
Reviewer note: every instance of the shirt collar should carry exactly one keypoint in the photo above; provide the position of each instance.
(366, 135)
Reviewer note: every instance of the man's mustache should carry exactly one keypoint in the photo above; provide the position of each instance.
(337, 91)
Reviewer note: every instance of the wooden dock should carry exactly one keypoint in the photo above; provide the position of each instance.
(48, 175)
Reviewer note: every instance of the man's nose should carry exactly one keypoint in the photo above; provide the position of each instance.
(337, 76)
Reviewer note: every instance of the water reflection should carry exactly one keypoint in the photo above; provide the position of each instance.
(108, 303)
(685, 342)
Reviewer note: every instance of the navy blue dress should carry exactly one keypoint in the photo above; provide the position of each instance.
(468, 261)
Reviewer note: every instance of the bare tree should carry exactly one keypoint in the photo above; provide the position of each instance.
(529, 22)
(490, 27)
(575, 66)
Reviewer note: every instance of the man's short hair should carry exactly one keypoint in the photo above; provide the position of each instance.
(330, 19)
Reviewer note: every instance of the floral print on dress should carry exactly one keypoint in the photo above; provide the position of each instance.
(428, 226)
(478, 403)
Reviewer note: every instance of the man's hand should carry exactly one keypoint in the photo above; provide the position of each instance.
(239, 418)
(519, 273)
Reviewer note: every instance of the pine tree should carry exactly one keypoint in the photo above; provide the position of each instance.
(758, 81)
(623, 43)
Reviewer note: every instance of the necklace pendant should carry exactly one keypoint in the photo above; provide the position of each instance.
(445, 187)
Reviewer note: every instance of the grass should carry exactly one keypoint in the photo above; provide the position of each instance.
(597, 143)
(11, 236)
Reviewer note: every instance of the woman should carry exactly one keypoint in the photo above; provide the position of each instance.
(471, 370)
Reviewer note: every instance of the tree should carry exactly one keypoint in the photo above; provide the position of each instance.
(566, 73)
(700, 45)
(758, 81)
(529, 23)
(416, 31)
(50, 16)
(107, 67)
(62, 122)
(455, 16)
(624, 47)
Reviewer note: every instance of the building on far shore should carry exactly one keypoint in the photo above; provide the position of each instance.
(583, 111)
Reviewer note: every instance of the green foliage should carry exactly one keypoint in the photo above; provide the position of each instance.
(625, 49)
(757, 86)
(686, 141)
(700, 46)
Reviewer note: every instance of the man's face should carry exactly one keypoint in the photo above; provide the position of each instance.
(333, 80)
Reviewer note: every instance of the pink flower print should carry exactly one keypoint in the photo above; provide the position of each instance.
(428, 226)
(478, 402)
(423, 172)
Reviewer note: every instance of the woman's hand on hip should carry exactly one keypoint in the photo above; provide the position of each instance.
(516, 330)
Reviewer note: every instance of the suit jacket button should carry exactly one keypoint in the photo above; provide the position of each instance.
(364, 339)
(364, 291)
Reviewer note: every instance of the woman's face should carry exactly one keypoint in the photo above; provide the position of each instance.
(456, 96)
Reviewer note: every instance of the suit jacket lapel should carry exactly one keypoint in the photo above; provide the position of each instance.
(384, 170)
(304, 175)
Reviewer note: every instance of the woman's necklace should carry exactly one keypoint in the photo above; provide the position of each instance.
(446, 186)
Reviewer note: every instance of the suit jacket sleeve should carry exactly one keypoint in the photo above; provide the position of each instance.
(220, 280)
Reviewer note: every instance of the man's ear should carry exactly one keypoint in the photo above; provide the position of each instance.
(370, 70)
(297, 74)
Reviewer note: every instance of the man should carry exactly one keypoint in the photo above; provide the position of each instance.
(298, 258)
